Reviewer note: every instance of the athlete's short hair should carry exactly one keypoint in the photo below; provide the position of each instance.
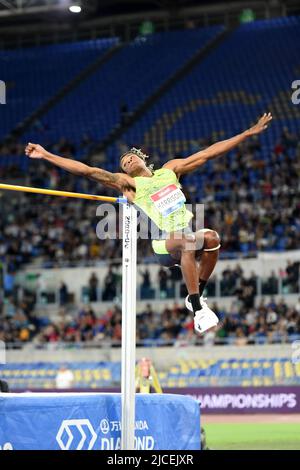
(138, 153)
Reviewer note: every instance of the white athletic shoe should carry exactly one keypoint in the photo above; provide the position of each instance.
(204, 318)
(188, 304)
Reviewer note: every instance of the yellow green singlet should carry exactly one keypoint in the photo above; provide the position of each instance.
(161, 199)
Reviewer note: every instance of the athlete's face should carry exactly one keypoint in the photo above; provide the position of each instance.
(132, 164)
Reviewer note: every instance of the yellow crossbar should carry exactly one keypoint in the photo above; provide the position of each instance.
(53, 192)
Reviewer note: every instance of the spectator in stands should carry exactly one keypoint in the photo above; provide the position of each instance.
(241, 339)
(93, 287)
(175, 277)
(246, 294)
(146, 283)
(146, 286)
(85, 324)
(292, 280)
(228, 282)
(50, 334)
(63, 294)
(110, 291)
(271, 319)
(252, 281)
(271, 284)
(163, 281)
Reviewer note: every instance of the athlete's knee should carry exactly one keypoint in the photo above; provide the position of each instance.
(212, 240)
(188, 244)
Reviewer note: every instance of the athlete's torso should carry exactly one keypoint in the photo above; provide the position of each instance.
(161, 199)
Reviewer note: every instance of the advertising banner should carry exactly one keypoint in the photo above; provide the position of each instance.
(66, 421)
(244, 399)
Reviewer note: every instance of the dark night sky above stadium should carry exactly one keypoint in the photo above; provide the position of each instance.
(102, 8)
(112, 7)
(116, 7)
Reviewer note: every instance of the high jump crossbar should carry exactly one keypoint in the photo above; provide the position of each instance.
(129, 260)
(54, 192)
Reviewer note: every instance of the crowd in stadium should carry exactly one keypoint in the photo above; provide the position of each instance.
(245, 321)
(270, 321)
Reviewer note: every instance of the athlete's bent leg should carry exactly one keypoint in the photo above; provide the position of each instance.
(209, 256)
(205, 319)
(208, 245)
(184, 248)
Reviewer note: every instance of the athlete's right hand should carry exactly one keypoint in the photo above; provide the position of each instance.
(35, 150)
(261, 124)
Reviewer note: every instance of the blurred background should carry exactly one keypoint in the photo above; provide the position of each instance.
(90, 79)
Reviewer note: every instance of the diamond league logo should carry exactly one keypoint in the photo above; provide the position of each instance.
(79, 434)
(72, 430)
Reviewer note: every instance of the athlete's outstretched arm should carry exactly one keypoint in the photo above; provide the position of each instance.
(114, 180)
(182, 166)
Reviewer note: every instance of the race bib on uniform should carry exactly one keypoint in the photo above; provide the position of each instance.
(168, 200)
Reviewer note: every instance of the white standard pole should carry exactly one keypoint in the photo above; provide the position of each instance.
(128, 325)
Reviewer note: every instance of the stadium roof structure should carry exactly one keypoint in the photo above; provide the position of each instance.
(30, 22)
(31, 7)
(9, 8)
(23, 7)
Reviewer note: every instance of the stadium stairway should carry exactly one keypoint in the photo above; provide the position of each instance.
(58, 110)
(98, 105)
(87, 71)
(117, 132)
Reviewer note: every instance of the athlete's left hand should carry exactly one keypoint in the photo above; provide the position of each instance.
(261, 124)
